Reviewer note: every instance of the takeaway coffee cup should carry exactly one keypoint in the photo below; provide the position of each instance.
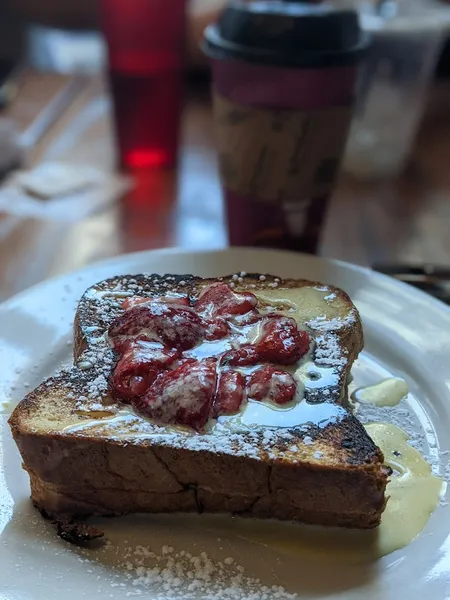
(284, 77)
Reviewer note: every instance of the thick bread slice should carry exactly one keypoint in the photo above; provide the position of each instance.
(87, 454)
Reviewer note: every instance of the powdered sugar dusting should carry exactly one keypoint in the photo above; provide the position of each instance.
(170, 574)
(97, 362)
(329, 351)
(323, 324)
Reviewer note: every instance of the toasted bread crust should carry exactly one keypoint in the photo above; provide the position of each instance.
(329, 474)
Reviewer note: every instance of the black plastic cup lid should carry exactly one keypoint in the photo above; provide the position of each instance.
(286, 33)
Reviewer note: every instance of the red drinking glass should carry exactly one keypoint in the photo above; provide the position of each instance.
(145, 40)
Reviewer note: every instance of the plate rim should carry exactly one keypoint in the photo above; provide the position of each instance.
(371, 280)
(132, 256)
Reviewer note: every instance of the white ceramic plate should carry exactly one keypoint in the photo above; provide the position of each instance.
(407, 334)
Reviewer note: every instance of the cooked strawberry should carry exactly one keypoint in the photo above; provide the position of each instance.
(175, 326)
(175, 299)
(172, 299)
(216, 328)
(230, 393)
(243, 357)
(139, 367)
(127, 385)
(182, 396)
(282, 341)
(219, 299)
(269, 383)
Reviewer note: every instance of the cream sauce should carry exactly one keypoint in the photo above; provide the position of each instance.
(304, 304)
(413, 492)
(265, 414)
(254, 415)
(387, 392)
(7, 406)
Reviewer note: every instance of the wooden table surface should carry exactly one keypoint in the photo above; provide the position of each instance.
(68, 119)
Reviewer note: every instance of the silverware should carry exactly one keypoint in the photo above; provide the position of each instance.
(433, 279)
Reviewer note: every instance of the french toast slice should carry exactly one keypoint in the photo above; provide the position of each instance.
(89, 454)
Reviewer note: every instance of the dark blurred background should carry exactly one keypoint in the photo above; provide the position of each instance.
(53, 58)
(32, 29)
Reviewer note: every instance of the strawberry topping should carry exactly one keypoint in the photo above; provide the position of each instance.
(174, 326)
(281, 341)
(269, 383)
(230, 393)
(162, 383)
(182, 396)
(216, 329)
(244, 356)
(219, 299)
(139, 366)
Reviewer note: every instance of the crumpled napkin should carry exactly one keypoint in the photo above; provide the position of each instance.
(61, 192)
